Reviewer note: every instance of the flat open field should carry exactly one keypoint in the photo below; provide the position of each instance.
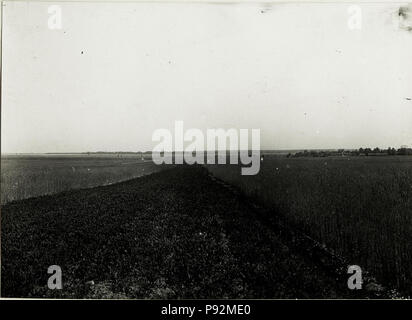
(359, 206)
(25, 176)
(172, 234)
(179, 233)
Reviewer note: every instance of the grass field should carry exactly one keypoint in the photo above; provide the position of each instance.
(172, 234)
(359, 206)
(25, 176)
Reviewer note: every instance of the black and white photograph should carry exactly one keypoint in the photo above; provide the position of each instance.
(180, 150)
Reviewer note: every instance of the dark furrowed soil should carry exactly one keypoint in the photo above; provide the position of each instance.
(172, 234)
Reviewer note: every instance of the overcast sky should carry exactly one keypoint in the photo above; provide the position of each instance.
(116, 72)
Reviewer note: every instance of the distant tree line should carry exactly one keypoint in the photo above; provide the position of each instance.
(360, 152)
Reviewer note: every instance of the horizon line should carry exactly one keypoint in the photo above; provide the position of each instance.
(226, 150)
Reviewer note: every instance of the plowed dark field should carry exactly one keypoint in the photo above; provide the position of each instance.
(172, 234)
